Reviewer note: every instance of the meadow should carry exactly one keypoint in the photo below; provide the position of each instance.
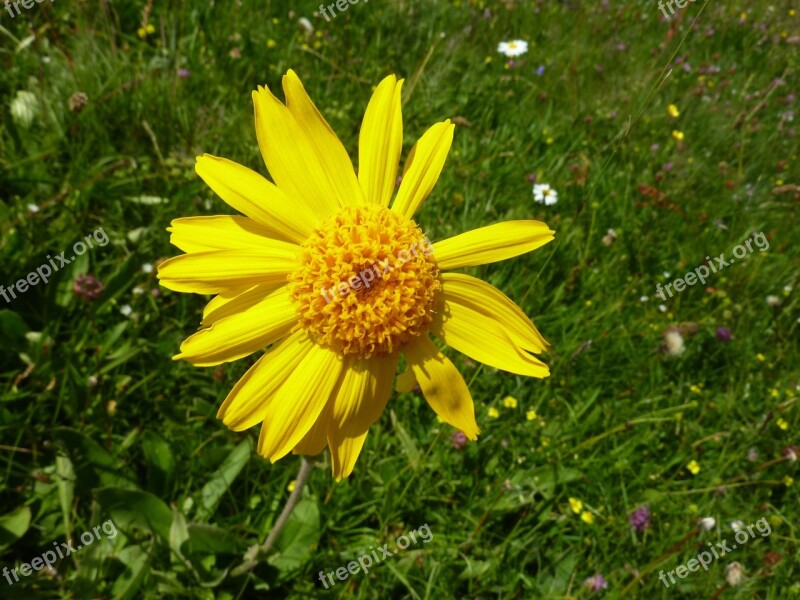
(668, 425)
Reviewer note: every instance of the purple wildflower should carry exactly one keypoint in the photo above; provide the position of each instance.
(640, 518)
(459, 440)
(723, 334)
(87, 287)
(596, 583)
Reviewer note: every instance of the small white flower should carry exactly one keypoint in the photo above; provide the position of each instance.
(147, 268)
(644, 299)
(138, 291)
(707, 523)
(673, 343)
(737, 525)
(667, 274)
(126, 310)
(542, 192)
(662, 307)
(787, 289)
(32, 208)
(773, 301)
(24, 108)
(733, 574)
(305, 25)
(513, 48)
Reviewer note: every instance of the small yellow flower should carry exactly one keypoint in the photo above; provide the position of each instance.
(141, 32)
(787, 481)
(695, 389)
(493, 413)
(782, 424)
(678, 135)
(693, 467)
(271, 43)
(549, 140)
(510, 402)
(275, 20)
(545, 442)
(774, 393)
(761, 357)
(291, 485)
(150, 28)
(576, 505)
(530, 415)
(587, 517)
(673, 111)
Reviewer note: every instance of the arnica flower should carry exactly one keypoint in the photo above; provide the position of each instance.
(334, 283)
(513, 48)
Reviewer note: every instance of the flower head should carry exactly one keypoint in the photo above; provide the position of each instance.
(673, 111)
(513, 48)
(334, 281)
(510, 402)
(88, 287)
(678, 135)
(723, 334)
(595, 583)
(576, 505)
(459, 440)
(707, 523)
(694, 467)
(544, 194)
(640, 518)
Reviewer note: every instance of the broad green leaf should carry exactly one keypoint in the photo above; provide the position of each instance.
(221, 480)
(13, 526)
(65, 480)
(137, 564)
(136, 508)
(299, 537)
(160, 463)
(93, 466)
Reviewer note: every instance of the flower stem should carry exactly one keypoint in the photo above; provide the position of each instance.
(255, 552)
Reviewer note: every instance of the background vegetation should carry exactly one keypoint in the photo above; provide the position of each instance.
(97, 423)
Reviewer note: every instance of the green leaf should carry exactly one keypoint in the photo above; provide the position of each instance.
(221, 480)
(137, 562)
(136, 508)
(65, 480)
(160, 462)
(13, 526)
(299, 537)
(93, 465)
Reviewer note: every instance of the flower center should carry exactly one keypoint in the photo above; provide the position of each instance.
(367, 282)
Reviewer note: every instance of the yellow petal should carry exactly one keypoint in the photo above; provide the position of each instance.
(491, 244)
(486, 299)
(330, 152)
(363, 392)
(247, 402)
(221, 270)
(481, 338)
(344, 451)
(405, 382)
(423, 168)
(298, 402)
(291, 157)
(381, 142)
(442, 385)
(204, 234)
(252, 195)
(232, 302)
(242, 333)
(316, 439)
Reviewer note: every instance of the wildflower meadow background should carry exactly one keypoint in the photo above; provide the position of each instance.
(666, 424)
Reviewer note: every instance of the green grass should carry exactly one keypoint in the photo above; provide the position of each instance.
(618, 420)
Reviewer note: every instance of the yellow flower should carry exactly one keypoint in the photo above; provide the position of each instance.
(761, 357)
(678, 135)
(510, 402)
(774, 393)
(673, 111)
(693, 467)
(530, 415)
(788, 480)
(587, 517)
(493, 413)
(322, 235)
(271, 43)
(695, 389)
(150, 28)
(141, 32)
(782, 423)
(291, 485)
(576, 505)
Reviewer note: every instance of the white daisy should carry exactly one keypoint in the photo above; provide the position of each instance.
(32, 208)
(147, 268)
(707, 523)
(542, 192)
(513, 48)
(126, 310)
